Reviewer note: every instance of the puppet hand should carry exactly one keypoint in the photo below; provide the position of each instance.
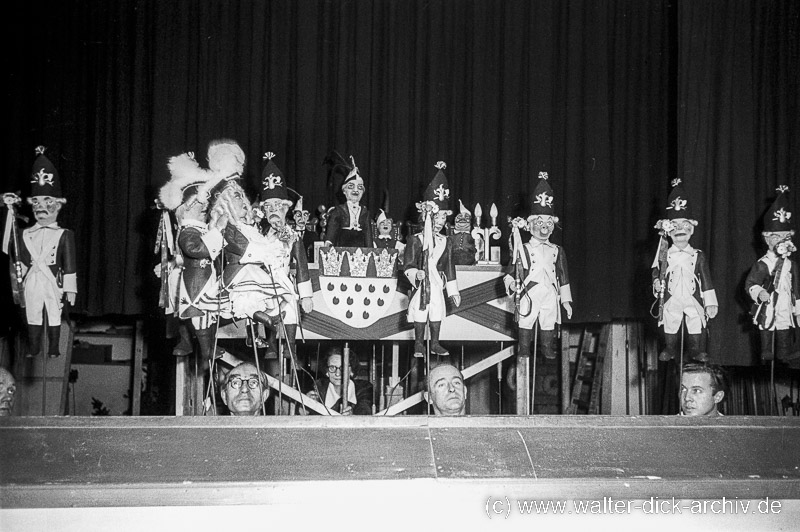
(420, 275)
(157, 270)
(568, 308)
(656, 286)
(511, 286)
(711, 311)
(308, 305)
(763, 296)
(313, 395)
(71, 297)
(456, 299)
(219, 220)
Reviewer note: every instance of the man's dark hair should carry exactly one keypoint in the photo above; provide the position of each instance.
(717, 374)
(352, 359)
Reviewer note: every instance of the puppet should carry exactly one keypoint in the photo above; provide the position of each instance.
(774, 284)
(47, 259)
(681, 281)
(429, 267)
(350, 223)
(537, 275)
(305, 228)
(462, 241)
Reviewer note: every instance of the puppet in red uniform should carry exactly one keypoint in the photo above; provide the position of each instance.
(48, 259)
(681, 280)
(774, 284)
(537, 275)
(428, 265)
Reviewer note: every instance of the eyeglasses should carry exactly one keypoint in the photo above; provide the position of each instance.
(236, 383)
(335, 369)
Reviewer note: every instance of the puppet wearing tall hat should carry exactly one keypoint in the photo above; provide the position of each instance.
(537, 275)
(464, 251)
(429, 267)
(350, 223)
(682, 283)
(774, 283)
(199, 240)
(386, 234)
(305, 226)
(48, 258)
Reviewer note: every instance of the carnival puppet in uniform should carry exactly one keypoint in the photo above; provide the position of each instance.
(305, 228)
(537, 275)
(350, 223)
(774, 283)
(199, 240)
(464, 250)
(681, 280)
(48, 259)
(386, 237)
(428, 265)
(256, 272)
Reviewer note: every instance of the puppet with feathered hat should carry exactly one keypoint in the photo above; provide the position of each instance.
(350, 223)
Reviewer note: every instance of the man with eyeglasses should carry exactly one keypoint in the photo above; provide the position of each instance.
(446, 391)
(328, 390)
(244, 391)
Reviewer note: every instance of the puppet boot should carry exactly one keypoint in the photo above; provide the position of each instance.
(767, 352)
(784, 345)
(696, 347)
(524, 342)
(205, 340)
(436, 348)
(671, 347)
(184, 345)
(419, 339)
(53, 337)
(548, 343)
(291, 346)
(34, 340)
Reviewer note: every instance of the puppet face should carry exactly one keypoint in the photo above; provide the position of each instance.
(275, 211)
(192, 210)
(773, 238)
(233, 202)
(697, 395)
(300, 218)
(463, 221)
(438, 221)
(353, 191)
(682, 231)
(541, 226)
(385, 226)
(45, 208)
(447, 392)
(244, 392)
(8, 390)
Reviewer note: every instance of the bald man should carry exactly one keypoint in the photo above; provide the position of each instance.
(446, 391)
(8, 389)
(244, 390)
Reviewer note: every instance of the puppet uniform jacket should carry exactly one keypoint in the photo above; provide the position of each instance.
(545, 283)
(199, 246)
(441, 272)
(464, 249)
(688, 286)
(49, 254)
(787, 288)
(341, 232)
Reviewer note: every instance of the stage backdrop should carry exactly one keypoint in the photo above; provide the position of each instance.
(612, 99)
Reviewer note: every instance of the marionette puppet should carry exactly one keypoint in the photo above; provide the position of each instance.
(462, 241)
(305, 228)
(429, 267)
(386, 233)
(537, 275)
(774, 284)
(256, 271)
(199, 239)
(681, 281)
(45, 262)
(350, 223)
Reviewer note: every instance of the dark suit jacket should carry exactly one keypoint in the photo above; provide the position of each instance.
(340, 237)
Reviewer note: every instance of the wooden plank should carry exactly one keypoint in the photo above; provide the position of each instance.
(614, 386)
(138, 355)
(565, 376)
(599, 362)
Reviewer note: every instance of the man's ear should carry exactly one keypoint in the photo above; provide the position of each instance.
(426, 396)
(718, 396)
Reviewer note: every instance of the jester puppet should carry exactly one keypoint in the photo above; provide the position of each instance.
(47, 256)
(681, 281)
(256, 272)
(774, 284)
(464, 250)
(199, 236)
(428, 265)
(350, 223)
(537, 276)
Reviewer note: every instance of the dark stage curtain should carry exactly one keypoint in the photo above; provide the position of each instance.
(611, 98)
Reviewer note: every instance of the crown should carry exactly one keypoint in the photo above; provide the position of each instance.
(384, 262)
(358, 263)
(331, 261)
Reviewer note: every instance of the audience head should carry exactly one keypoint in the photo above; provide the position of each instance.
(8, 390)
(446, 391)
(244, 390)
(333, 368)
(702, 389)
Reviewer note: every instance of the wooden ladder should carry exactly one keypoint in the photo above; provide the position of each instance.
(589, 372)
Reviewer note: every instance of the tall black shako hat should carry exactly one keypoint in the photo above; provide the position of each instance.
(438, 190)
(778, 217)
(273, 182)
(542, 197)
(678, 204)
(45, 180)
